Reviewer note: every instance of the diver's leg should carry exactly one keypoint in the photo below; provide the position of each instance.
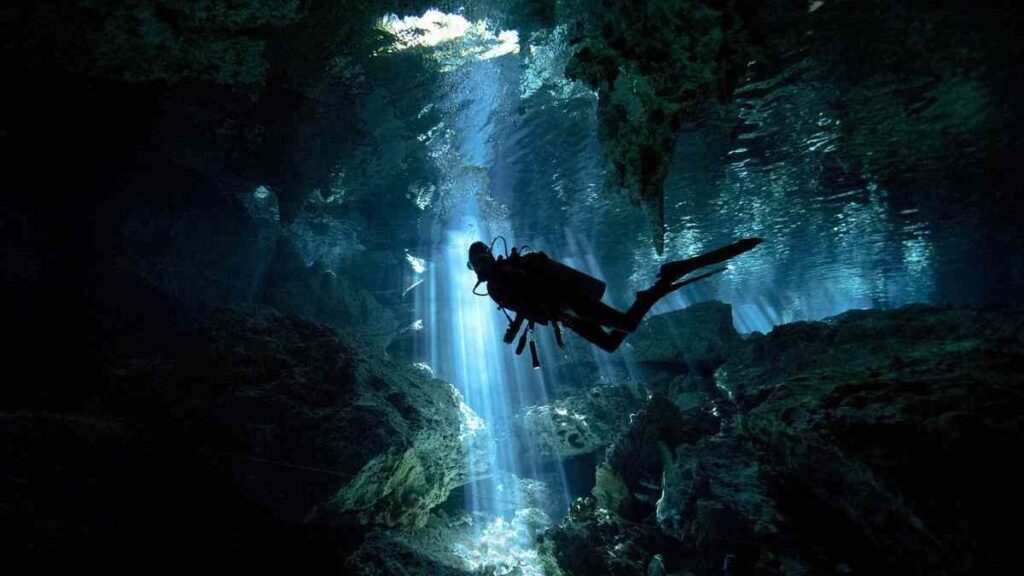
(596, 312)
(646, 299)
(595, 334)
(599, 313)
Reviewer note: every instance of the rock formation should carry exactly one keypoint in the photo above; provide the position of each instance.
(577, 425)
(267, 415)
(868, 442)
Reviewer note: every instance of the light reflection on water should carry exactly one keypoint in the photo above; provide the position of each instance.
(852, 218)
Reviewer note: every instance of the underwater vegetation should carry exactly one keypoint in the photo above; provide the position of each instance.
(242, 335)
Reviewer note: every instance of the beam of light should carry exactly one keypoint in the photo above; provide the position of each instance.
(466, 347)
(462, 335)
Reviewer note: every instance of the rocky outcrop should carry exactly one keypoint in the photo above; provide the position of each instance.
(258, 417)
(678, 352)
(629, 481)
(167, 40)
(424, 551)
(879, 416)
(697, 338)
(384, 442)
(590, 540)
(578, 424)
(456, 541)
(866, 443)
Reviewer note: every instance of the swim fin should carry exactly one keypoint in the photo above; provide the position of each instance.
(672, 271)
(647, 298)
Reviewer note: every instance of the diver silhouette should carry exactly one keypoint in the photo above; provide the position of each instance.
(542, 291)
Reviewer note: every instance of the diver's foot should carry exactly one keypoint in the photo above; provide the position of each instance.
(654, 293)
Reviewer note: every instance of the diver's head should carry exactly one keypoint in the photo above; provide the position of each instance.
(480, 260)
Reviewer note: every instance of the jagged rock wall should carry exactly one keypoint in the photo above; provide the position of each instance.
(388, 440)
(199, 134)
(249, 412)
(217, 250)
(317, 292)
(456, 541)
(869, 442)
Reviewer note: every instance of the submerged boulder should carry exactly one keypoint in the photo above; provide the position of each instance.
(576, 425)
(226, 429)
(698, 338)
(678, 352)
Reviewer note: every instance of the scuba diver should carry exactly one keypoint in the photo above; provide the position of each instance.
(542, 291)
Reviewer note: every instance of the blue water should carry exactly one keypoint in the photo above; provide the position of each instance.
(876, 216)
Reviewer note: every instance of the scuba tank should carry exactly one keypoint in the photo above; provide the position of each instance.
(569, 280)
